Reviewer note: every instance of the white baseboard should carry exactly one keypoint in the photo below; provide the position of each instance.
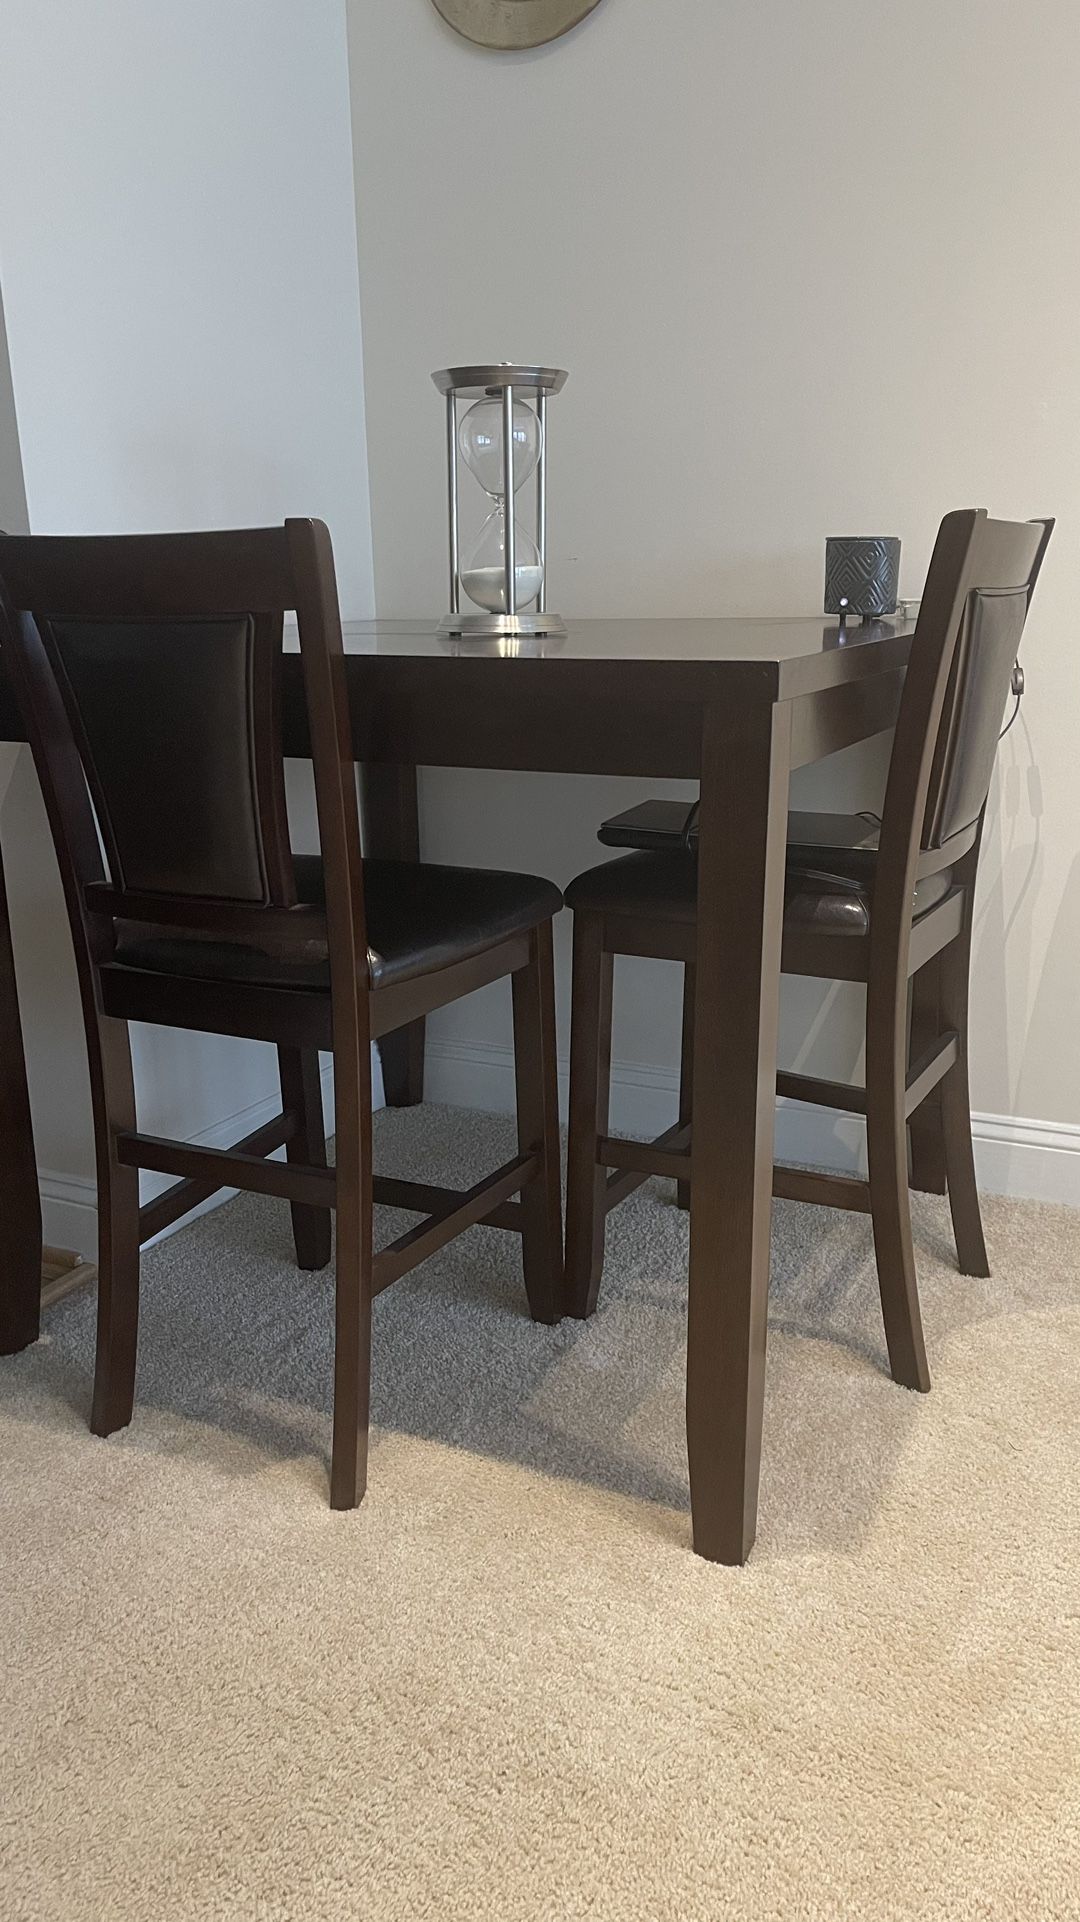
(1036, 1159)
(68, 1212)
(1039, 1159)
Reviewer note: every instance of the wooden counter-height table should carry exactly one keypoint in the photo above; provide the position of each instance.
(734, 704)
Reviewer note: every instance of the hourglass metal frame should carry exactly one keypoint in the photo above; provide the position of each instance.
(509, 384)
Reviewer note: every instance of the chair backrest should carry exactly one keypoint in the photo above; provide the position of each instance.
(978, 590)
(1005, 565)
(148, 669)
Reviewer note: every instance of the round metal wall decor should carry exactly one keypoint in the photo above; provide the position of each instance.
(513, 23)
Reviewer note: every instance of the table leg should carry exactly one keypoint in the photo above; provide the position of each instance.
(743, 826)
(392, 833)
(20, 1206)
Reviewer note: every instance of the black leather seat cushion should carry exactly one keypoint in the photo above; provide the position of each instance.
(827, 888)
(646, 884)
(419, 918)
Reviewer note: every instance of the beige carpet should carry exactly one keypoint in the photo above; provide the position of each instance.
(506, 1688)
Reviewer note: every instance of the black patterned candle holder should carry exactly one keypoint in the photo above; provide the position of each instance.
(862, 575)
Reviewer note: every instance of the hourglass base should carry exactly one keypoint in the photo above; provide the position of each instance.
(501, 626)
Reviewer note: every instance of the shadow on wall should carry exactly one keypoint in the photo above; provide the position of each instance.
(1055, 994)
(1010, 875)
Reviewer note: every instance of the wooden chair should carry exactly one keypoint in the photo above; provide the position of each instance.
(149, 670)
(888, 904)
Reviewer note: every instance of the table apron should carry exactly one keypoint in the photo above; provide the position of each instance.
(836, 717)
(554, 735)
(550, 733)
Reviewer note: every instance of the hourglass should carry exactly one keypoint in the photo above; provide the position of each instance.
(501, 438)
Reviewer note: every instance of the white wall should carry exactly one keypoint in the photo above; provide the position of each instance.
(178, 261)
(12, 490)
(12, 501)
(813, 270)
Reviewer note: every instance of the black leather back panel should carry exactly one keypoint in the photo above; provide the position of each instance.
(164, 714)
(974, 708)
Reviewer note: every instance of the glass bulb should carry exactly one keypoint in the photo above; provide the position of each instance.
(484, 577)
(480, 438)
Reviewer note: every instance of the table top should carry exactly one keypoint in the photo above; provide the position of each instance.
(804, 652)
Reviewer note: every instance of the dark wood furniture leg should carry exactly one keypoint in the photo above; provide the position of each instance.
(887, 1157)
(538, 1126)
(745, 766)
(955, 1092)
(391, 832)
(590, 1081)
(354, 1266)
(301, 1094)
(926, 1137)
(112, 1090)
(686, 1069)
(20, 1206)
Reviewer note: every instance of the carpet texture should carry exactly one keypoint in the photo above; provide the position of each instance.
(506, 1689)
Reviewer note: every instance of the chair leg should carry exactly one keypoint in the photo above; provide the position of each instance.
(301, 1091)
(352, 1275)
(113, 1095)
(886, 1137)
(20, 1209)
(118, 1298)
(926, 1128)
(590, 1077)
(956, 1113)
(536, 1070)
(686, 1069)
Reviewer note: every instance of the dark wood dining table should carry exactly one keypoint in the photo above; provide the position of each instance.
(734, 704)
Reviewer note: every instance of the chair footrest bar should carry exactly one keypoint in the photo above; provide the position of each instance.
(429, 1236)
(227, 1168)
(823, 1190)
(623, 1183)
(822, 1094)
(933, 931)
(421, 1197)
(665, 1156)
(184, 1195)
(930, 1068)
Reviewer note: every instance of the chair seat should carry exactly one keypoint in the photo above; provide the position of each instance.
(420, 918)
(827, 889)
(831, 859)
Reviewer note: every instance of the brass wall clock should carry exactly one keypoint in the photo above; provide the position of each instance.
(513, 23)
